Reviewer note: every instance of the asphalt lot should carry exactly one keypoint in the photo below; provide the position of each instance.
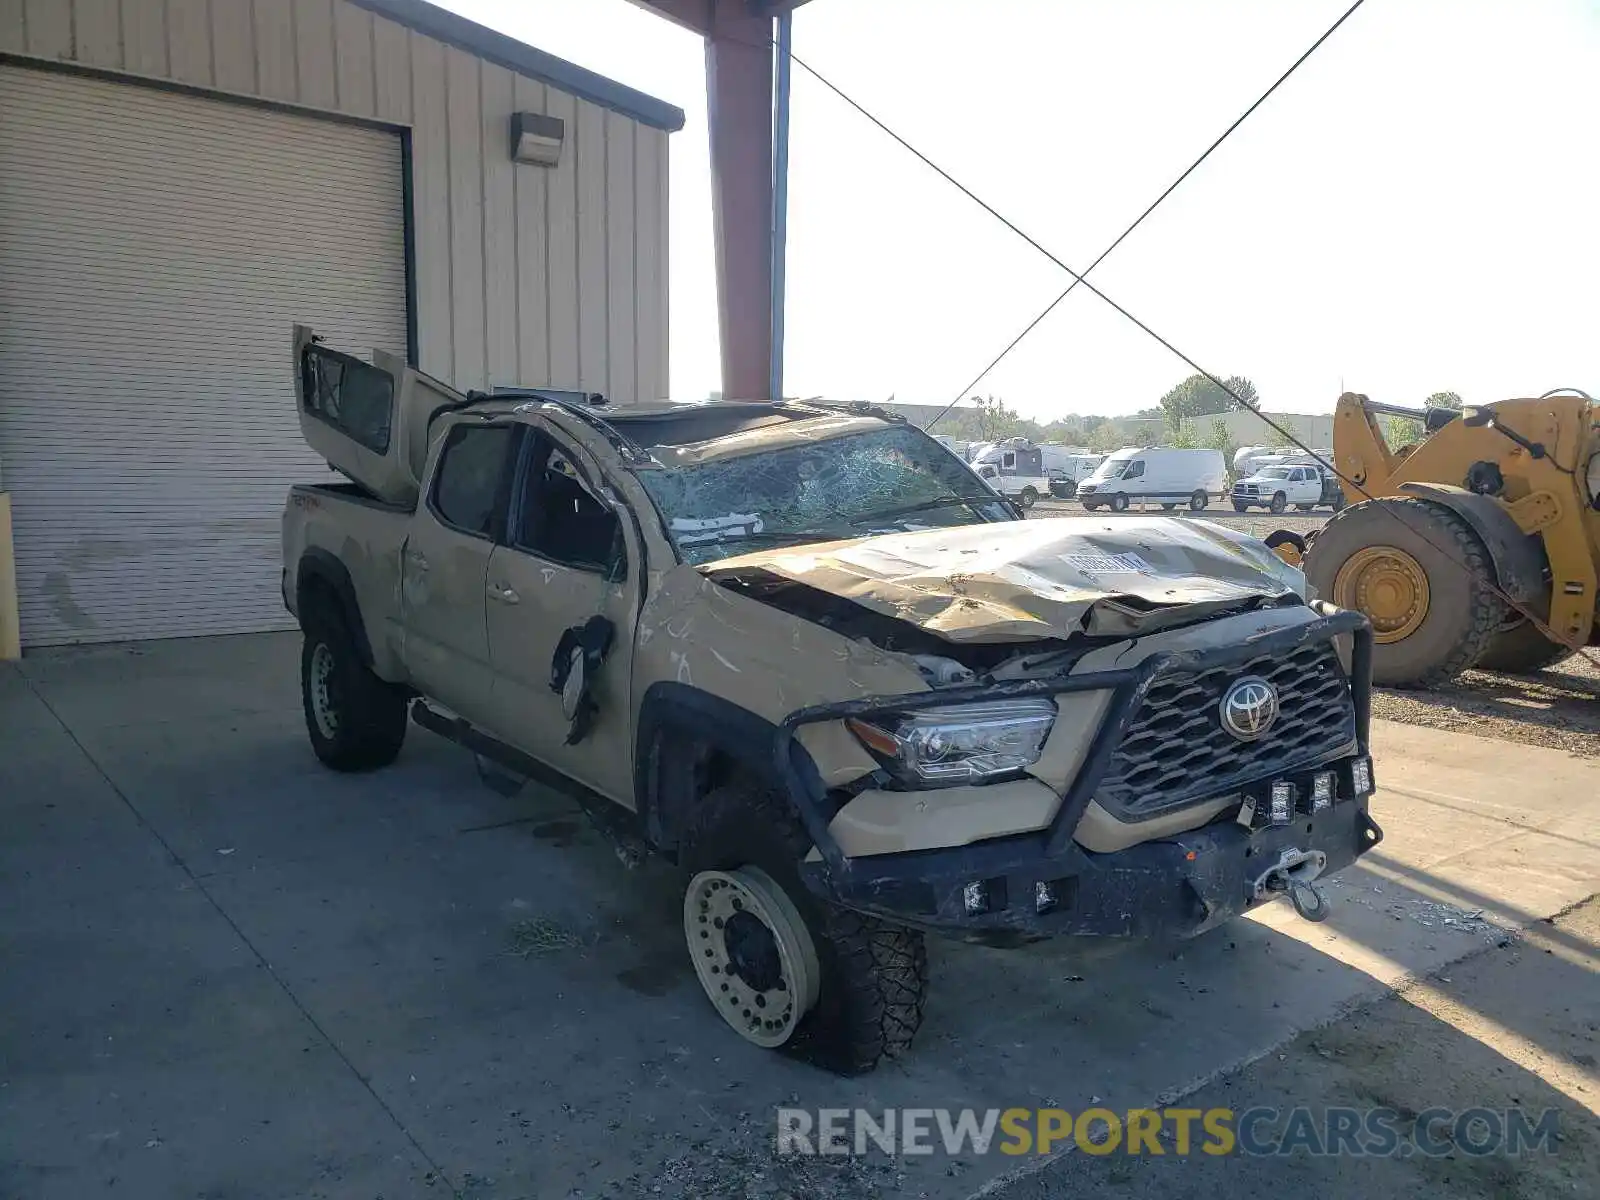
(230, 973)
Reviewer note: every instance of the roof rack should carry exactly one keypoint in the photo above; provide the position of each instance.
(863, 408)
(577, 404)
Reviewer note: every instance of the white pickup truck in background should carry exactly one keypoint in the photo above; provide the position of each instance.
(1277, 486)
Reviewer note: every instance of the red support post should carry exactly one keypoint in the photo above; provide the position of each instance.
(739, 106)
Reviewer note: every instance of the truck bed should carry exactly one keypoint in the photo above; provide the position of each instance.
(341, 535)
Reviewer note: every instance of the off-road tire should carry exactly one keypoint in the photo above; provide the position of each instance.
(874, 974)
(1279, 503)
(1521, 650)
(1465, 611)
(1199, 501)
(369, 713)
(1028, 498)
(1119, 503)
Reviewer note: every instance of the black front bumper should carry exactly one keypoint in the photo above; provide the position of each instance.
(1173, 888)
(1177, 886)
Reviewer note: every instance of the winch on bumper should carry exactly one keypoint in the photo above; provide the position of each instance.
(1301, 811)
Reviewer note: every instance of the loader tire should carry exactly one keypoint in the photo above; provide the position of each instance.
(1423, 579)
(356, 721)
(1521, 650)
(869, 977)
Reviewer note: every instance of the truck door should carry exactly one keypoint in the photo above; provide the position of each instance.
(567, 578)
(446, 560)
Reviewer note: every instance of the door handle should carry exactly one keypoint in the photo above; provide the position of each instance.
(504, 594)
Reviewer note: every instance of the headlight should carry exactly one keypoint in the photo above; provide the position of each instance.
(968, 743)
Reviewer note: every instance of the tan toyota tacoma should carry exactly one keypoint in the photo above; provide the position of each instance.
(803, 652)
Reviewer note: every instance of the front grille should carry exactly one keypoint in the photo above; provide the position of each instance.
(1086, 487)
(1176, 751)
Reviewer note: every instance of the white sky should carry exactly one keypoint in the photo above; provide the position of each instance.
(1417, 209)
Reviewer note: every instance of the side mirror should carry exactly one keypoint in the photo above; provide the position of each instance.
(1477, 418)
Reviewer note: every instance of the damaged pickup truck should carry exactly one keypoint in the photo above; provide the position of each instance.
(804, 653)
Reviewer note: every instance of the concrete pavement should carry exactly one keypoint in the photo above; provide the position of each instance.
(230, 972)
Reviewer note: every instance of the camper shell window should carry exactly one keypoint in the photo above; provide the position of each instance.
(354, 397)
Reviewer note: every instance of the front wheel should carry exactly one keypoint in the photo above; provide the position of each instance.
(1423, 578)
(784, 968)
(1237, 507)
(1119, 504)
(356, 721)
(1279, 502)
(1029, 497)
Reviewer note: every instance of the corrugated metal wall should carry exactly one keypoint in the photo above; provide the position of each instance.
(524, 274)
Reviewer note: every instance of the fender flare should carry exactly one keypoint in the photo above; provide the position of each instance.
(673, 713)
(1518, 558)
(320, 568)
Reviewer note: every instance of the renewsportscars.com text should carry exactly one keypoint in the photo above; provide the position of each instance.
(1355, 1132)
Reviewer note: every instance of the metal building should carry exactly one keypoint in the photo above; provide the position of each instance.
(182, 180)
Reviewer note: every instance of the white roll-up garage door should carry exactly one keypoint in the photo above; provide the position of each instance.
(155, 251)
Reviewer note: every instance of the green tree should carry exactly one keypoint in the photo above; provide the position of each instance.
(1401, 431)
(1450, 400)
(1197, 396)
(1105, 437)
(1184, 436)
(1220, 439)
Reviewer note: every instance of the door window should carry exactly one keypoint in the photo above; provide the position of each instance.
(1008, 461)
(1135, 469)
(559, 519)
(470, 484)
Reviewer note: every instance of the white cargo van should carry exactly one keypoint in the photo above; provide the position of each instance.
(1155, 474)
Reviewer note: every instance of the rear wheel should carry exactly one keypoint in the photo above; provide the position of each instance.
(1423, 579)
(1279, 502)
(356, 721)
(1119, 503)
(1198, 501)
(1521, 650)
(784, 968)
(1029, 497)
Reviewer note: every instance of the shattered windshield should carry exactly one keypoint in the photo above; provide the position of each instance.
(864, 483)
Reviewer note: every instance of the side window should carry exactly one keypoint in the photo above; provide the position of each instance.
(354, 397)
(1008, 461)
(1135, 469)
(560, 520)
(469, 485)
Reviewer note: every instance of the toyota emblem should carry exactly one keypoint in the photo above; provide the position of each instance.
(1249, 708)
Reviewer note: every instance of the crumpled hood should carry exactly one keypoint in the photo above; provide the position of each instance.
(1034, 579)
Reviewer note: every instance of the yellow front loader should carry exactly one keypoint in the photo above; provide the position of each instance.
(1480, 543)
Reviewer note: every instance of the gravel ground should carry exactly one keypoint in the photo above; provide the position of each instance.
(1558, 707)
